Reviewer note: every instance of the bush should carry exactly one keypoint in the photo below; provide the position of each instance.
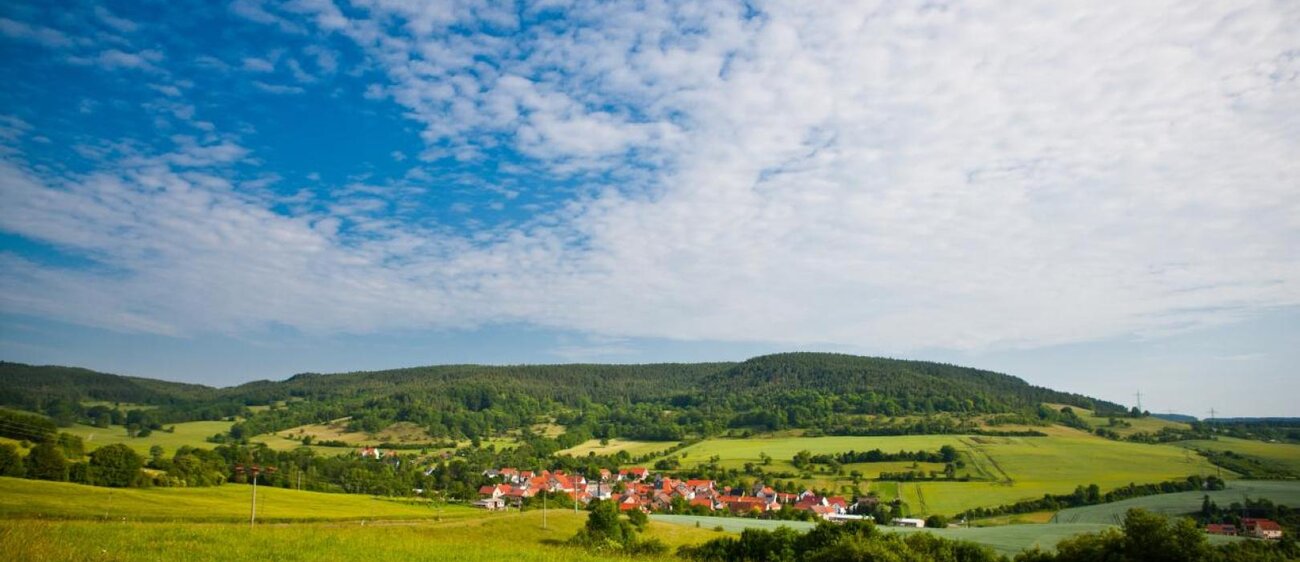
(11, 464)
(46, 462)
(936, 521)
(116, 466)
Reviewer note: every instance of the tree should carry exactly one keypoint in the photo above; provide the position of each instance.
(936, 521)
(11, 464)
(802, 459)
(638, 519)
(115, 466)
(156, 453)
(46, 462)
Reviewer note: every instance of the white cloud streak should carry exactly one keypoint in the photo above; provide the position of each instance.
(895, 176)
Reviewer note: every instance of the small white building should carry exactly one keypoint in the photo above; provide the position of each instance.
(905, 522)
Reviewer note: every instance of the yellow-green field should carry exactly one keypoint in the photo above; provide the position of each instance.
(1285, 455)
(1148, 424)
(634, 448)
(1015, 468)
(193, 434)
(60, 500)
(208, 524)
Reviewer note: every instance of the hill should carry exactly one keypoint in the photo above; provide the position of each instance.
(825, 392)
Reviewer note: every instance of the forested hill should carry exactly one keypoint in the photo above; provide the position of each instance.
(826, 392)
(29, 385)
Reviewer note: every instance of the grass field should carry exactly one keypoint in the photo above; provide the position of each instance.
(45, 522)
(1283, 492)
(194, 434)
(1283, 455)
(1147, 424)
(634, 448)
(1014, 468)
(513, 536)
(1006, 540)
(59, 500)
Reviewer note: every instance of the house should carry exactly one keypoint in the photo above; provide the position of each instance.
(905, 522)
(491, 504)
(703, 502)
(1221, 529)
(1261, 528)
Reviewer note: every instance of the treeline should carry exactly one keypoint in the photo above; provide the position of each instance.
(1262, 508)
(1092, 495)
(825, 394)
(947, 453)
(1152, 537)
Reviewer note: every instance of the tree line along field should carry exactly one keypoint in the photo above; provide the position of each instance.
(1279, 492)
(1008, 469)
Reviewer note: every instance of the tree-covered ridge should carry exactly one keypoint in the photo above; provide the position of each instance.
(827, 393)
(27, 385)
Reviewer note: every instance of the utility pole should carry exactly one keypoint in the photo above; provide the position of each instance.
(253, 470)
(543, 509)
(1139, 401)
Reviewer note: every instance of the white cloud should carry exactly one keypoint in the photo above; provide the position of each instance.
(893, 176)
(41, 35)
(119, 24)
(277, 88)
(254, 64)
(114, 59)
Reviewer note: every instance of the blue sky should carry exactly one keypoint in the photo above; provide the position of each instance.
(1094, 198)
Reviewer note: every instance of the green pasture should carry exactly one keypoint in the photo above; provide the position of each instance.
(477, 536)
(1281, 492)
(1006, 540)
(1003, 469)
(634, 448)
(1284, 455)
(193, 434)
(230, 502)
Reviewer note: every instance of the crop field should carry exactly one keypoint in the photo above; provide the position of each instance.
(1284, 455)
(59, 500)
(394, 529)
(634, 448)
(193, 434)
(1147, 424)
(1013, 468)
(1283, 492)
(1006, 539)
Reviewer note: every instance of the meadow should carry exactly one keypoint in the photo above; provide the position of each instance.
(1005, 540)
(1010, 468)
(230, 502)
(1283, 455)
(508, 536)
(48, 521)
(1281, 492)
(634, 448)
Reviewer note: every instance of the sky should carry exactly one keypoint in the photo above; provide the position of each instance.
(1096, 197)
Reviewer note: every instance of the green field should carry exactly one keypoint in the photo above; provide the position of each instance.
(1282, 492)
(45, 521)
(1014, 468)
(193, 434)
(634, 448)
(1006, 540)
(1283, 455)
(59, 500)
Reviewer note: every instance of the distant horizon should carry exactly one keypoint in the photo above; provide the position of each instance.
(285, 377)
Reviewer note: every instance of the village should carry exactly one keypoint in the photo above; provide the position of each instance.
(637, 489)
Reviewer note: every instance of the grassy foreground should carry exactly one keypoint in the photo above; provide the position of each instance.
(231, 502)
(514, 536)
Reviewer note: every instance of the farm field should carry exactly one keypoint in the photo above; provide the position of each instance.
(230, 502)
(1149, 424)
(1283, 492)
(1008, 539)
(1016, 468)
(472, 539)
(1285, 455)
(634, 448)
(193, 434)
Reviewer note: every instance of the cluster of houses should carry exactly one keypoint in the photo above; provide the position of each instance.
(635, 489)
(1250, 527)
